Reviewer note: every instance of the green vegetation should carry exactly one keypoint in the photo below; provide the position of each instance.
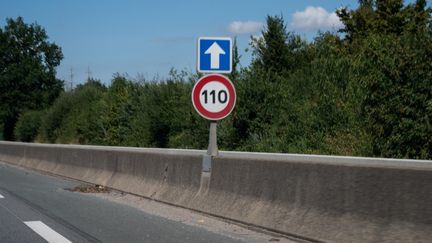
(365, 92)
(27, 72)
(27, 127)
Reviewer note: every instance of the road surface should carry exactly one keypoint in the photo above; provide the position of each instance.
(37, 207)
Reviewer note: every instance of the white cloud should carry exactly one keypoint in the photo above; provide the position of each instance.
(315, 18)
(244, 27)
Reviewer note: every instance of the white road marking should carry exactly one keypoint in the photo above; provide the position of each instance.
(46, 232)
(1, 196)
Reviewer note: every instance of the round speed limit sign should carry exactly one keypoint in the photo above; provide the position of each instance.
(214, 97)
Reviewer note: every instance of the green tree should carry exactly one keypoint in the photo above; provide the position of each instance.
(234, 75)
(27, 71)
(90, 108)
(384, 17)
(119, 111)
(398, 100)
(271, 51)
(76, 116)
(390, 46)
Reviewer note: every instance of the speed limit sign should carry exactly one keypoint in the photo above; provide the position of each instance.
(214, 97)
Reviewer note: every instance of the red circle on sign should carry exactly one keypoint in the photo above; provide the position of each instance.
(197, 91)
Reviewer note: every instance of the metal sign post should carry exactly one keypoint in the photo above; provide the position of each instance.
(212, 147)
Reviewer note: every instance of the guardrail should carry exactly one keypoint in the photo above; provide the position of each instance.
(317, 198)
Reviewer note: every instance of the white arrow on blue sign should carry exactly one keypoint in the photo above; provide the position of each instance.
(214, 55)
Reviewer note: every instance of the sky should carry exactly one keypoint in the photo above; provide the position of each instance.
(148, 38)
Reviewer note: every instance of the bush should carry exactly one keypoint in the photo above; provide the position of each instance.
(75, 116)
(28, 125)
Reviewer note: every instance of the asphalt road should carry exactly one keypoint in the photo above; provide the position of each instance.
(38, 208)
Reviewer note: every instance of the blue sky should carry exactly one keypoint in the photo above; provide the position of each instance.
(150, 37)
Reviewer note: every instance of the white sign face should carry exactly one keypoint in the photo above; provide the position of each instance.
(214, 96)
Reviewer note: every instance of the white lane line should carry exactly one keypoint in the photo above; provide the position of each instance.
(1, 196)
(46, 232)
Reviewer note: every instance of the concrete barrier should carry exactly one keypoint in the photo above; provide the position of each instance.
(321, 198)
(172, 176)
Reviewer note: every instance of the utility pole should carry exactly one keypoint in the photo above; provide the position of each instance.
(71, 78)
(88, 73)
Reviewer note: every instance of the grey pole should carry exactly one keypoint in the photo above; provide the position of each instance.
(213, 148)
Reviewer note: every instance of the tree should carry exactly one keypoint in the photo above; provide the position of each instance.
(119, 111)
(384, 17)
(27, 71)
(391, 46)
(271, 50)
(76, 116)
(234, 75)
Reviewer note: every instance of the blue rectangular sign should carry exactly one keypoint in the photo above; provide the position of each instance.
(214, 55)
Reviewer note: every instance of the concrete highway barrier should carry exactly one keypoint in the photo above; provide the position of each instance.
(316, 198)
